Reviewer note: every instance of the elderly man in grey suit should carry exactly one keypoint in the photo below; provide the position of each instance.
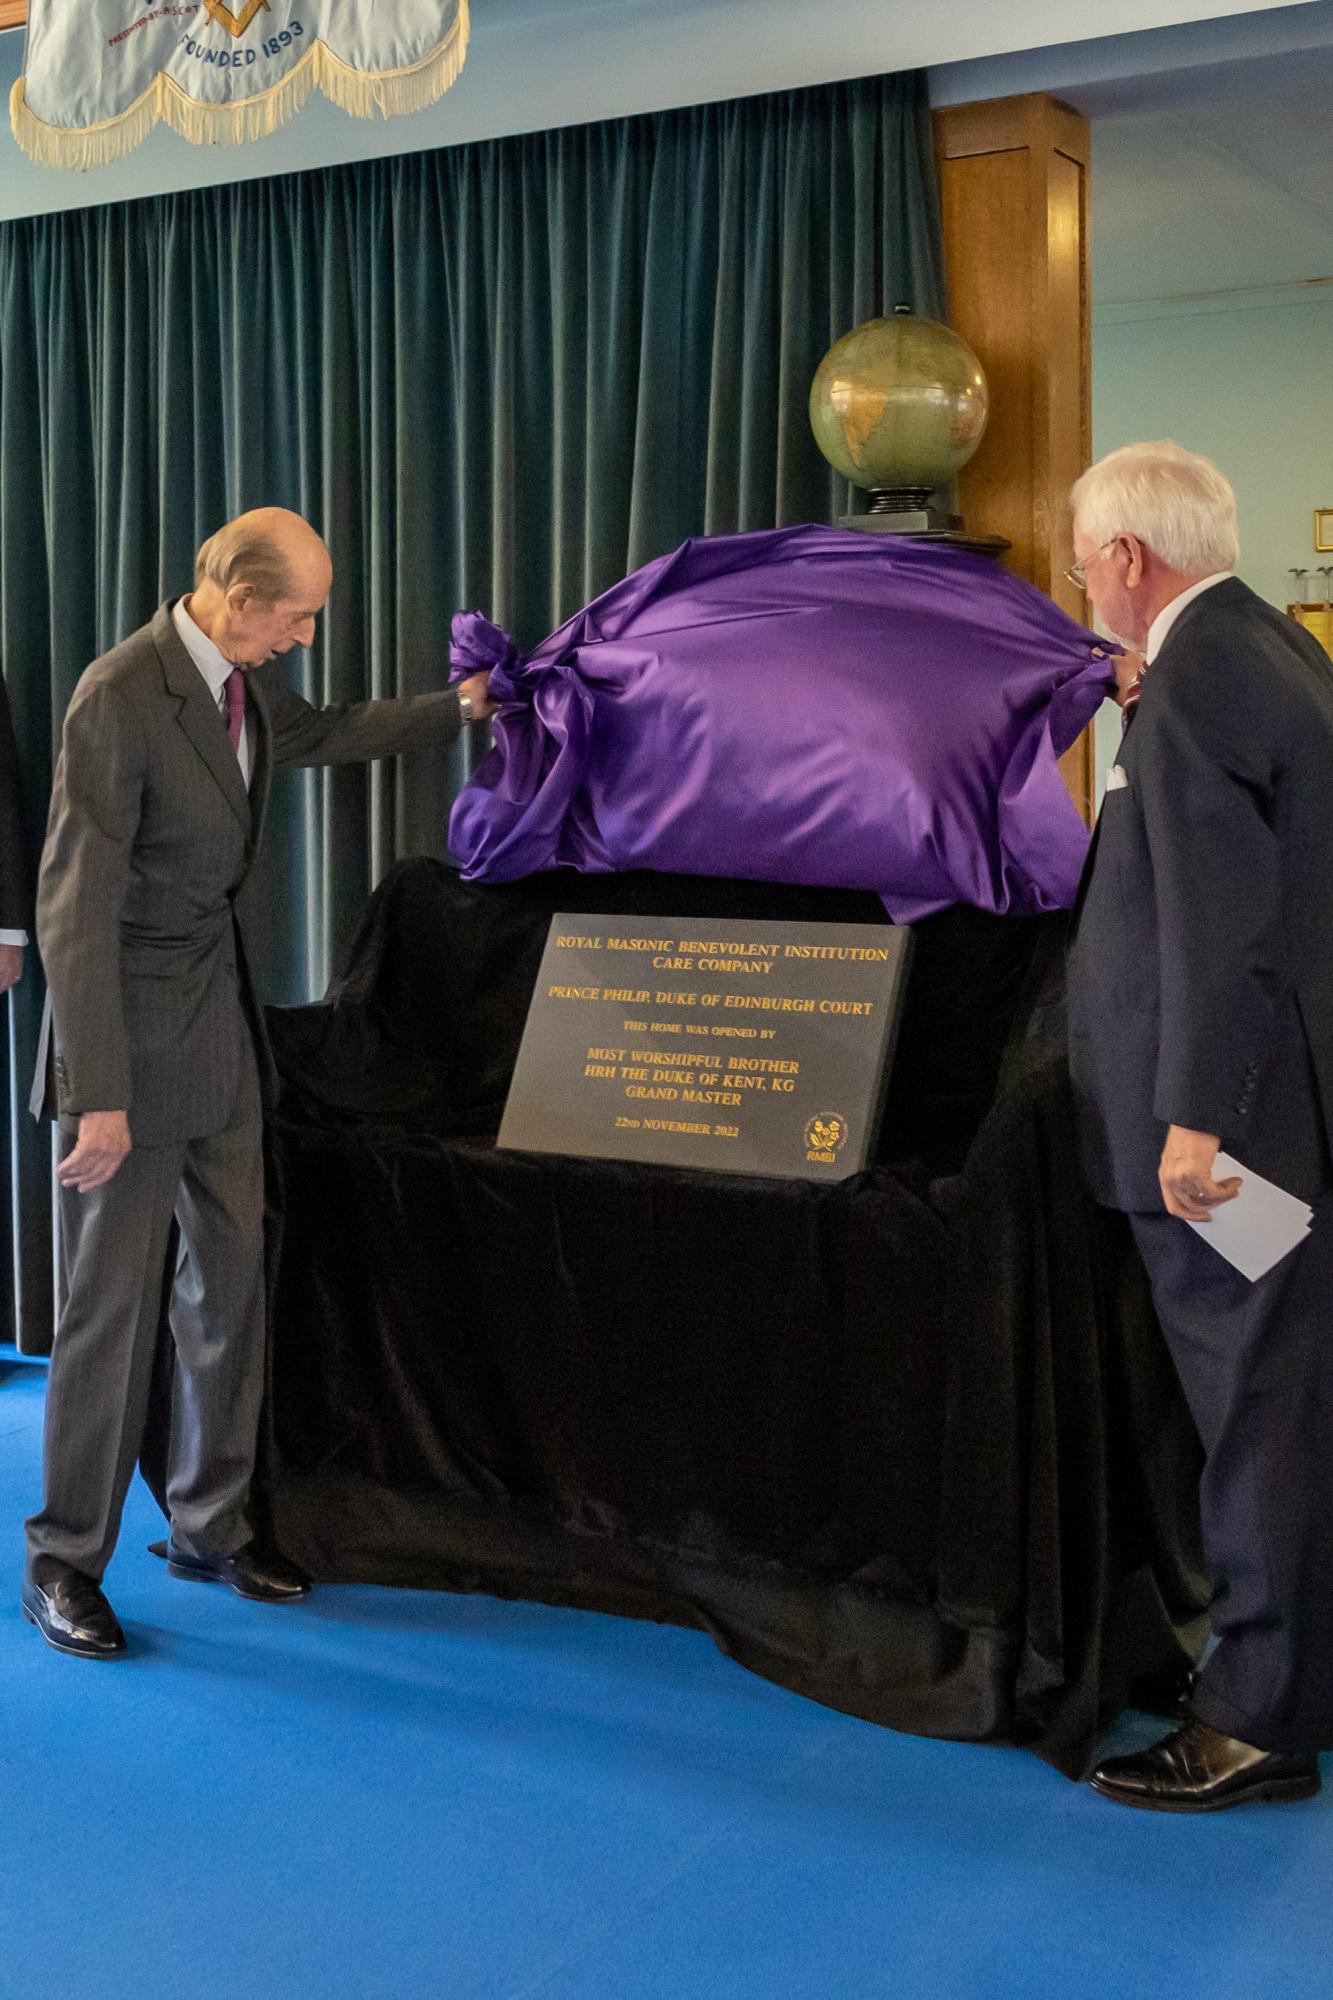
(161, 1067)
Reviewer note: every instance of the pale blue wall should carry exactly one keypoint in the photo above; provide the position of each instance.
(1252, 386)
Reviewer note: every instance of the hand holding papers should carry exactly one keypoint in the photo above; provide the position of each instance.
(1260, 1227)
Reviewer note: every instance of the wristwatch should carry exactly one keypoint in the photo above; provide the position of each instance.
(465, 708)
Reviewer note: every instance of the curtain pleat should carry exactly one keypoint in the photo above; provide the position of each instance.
(496, 376)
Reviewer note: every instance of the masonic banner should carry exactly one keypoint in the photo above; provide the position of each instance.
(99, 74)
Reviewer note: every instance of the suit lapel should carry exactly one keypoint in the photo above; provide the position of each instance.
(198, 715)
(1225, 597)
(1084, 879)
(1093, 844)
(260, 726)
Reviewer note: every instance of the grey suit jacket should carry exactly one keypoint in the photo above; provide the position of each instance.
(143, 894)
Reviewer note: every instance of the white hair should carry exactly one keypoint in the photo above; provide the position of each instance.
(1176, 503)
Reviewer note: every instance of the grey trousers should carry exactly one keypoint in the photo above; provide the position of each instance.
(114, 1243)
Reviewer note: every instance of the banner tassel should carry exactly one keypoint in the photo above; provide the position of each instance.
(363, 94)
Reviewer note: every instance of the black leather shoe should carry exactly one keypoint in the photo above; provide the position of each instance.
(71, 1613)
(1200, 1770)
(268, 1579)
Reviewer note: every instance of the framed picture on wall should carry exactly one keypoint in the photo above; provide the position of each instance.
(1323, 527)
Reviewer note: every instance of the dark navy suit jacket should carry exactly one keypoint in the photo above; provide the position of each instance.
(1200, 987)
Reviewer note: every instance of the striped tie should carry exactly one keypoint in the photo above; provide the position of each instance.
(1132, 693)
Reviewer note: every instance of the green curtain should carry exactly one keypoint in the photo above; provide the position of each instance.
(497, 376)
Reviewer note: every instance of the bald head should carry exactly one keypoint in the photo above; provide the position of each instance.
(260, 584)
(267, 550)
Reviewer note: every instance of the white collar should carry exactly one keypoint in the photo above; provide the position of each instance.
(213, 665)
(1169, 613)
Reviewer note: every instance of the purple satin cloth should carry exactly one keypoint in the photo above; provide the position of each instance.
(802, 705)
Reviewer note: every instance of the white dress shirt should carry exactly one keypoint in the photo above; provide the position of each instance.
(1169, 613)
(216, 671)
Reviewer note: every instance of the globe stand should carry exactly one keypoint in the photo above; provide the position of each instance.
(905, 510)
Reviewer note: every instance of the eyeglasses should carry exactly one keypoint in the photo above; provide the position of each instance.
(1077, 573)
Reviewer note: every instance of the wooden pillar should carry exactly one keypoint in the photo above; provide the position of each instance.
(1014, 187)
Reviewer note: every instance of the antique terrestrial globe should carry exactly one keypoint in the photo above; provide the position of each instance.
(898, 406)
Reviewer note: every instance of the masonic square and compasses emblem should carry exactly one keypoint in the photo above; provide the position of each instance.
(236, 19)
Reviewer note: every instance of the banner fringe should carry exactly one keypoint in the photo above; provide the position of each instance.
(361, 93)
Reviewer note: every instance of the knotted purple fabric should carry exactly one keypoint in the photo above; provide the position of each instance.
(803, 705)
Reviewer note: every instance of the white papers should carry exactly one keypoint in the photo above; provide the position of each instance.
(1258, 1229)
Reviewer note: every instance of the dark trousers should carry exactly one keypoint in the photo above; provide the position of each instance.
(114, 1244)
(1256, 1364)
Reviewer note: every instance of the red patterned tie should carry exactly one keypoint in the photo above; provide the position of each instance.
(234, 689)
(1132, 693)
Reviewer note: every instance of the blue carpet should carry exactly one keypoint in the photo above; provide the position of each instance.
(387, 1793)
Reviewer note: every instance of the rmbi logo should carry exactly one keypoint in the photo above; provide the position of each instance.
(825, 1137)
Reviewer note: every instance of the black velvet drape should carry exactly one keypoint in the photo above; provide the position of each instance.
(909, 1445)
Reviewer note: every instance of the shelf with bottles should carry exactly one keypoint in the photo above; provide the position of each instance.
(1312, 602)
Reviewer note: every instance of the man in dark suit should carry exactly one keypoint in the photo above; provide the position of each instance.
(1201, 1019)
(15, 876)
(161, 1064)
